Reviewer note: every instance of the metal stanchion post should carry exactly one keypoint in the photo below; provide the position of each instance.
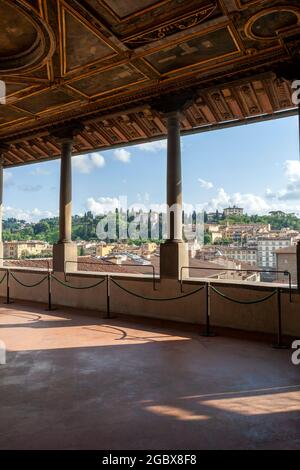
(279, 344)
(108, 314)
(8, 301)
(207, 332)
(49, 292)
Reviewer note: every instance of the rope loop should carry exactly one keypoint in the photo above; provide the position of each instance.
(161, 299)
(1, 280)
(244, 302)
(70, 286)
(28, 285)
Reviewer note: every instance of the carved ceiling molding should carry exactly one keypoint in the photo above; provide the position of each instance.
(170, 28)
(142, 96)
(67, 12)
(104, 63)
(247, 4)
(288, 17)
(33, 47)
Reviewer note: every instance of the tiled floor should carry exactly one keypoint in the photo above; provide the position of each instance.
(78, 382)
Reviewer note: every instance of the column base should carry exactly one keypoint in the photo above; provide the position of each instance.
(63, 252)
(173, 255)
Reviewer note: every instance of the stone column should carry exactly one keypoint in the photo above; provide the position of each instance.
(1, 203)
(174, 178)
(174, 252)
(65, 249)
(298, 244)
(65, 200)
(298, 265)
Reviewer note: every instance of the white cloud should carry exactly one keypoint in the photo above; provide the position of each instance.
(87, 163)
(122, 155)
(292, 170)
(29, 216)
(251, 203)
(102, 205)
(292, 190)
(155, 146)
(8, 178)
(205, 184)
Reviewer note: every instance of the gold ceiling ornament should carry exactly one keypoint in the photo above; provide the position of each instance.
(171, 28)
(270, 23)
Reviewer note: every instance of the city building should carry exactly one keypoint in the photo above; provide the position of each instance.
(247, 255)
(149, 248)
(211, 216)
(104, 249)
(266, 250)
(286, 260)
(21, 249)
(214, 231)
(233, 211)
(241, 232)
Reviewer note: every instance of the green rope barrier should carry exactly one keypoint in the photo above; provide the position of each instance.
(244, 302)
(162, 299)
(29, 285)
(76, 287)
(5, 274)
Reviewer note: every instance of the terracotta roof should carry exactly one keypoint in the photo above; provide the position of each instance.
(88, 263)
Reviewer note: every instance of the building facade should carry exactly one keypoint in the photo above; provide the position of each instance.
(266, 250)
(286, 260)
(20, 249)
(243, 254)
(233, 211)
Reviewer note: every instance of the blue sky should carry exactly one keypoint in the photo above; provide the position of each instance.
(255, 166)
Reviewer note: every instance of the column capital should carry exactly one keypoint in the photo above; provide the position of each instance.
(66, 133)
(175, 104)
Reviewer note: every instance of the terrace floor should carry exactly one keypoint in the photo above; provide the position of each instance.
(74, 381)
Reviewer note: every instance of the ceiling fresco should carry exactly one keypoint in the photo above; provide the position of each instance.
(103, 63)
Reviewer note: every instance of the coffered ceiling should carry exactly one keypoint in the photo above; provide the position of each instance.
(103, 62)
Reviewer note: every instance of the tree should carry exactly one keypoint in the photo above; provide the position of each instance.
(41, 227)
(207, 238)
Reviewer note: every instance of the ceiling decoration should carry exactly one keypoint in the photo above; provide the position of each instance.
(197, 50)
(81, 44)
(172, 27)
(103, 63)
(130, 7)
(111, 79)
(26, 41)
(271, 22)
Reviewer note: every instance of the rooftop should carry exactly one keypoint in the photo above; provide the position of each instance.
(87, 263)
